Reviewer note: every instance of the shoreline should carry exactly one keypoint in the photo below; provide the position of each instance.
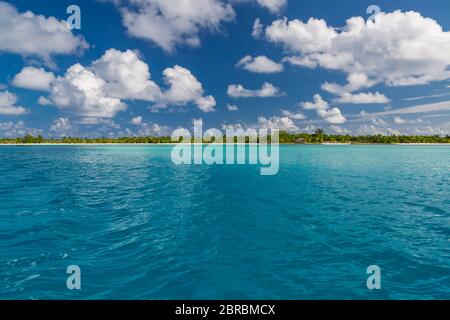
(173, 144)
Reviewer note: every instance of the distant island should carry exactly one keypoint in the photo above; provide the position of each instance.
(319, 137)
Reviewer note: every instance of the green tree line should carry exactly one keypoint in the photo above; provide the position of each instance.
(285, 138)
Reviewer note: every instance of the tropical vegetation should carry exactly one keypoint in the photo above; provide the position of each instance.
(318, 137)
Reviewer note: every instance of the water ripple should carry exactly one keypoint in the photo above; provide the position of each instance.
(140, 227)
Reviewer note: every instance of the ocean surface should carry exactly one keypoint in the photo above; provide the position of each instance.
(140, 227)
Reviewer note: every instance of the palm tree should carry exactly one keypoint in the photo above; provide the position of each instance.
(320, 135)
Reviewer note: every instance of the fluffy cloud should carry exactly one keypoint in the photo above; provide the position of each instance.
(60, 124)
(356, 81)
(398, 49)
(8, 106)
(306, 62)
(274, 6)
(126, 76)
(206, 104)
(236, 126)
(331, 115)
(267, 90)
(293, 116)
(232, 107)
(106, 123)
(16, 129)
(371, 126)
(442, 129)
(136, 120)
(374, 130)
(154, 129)
(43, 101)
(34, 79)
(312, 37)
(147, 129)
(280, 123)
(84, 93)
(99, 91)
(29, 34)
(257, 30)
(169, 25)
(272, 123)
(399, 120)
(62, 127)
(184, 88)
(96, 91)
(339, 130)
(363, 98)
(260, 64)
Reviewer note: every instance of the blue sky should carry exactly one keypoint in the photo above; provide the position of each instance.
(303, 66)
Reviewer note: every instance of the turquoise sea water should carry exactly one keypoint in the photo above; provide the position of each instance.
(140, 227)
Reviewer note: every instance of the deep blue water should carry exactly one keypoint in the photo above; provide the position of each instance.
(140, 227)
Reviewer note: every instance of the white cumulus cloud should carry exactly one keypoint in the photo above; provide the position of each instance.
(398, 49)
(323, 109)
(136, 120)
(147, 129)
(269, 123)
(29, 34)
(183, 85)
(43, 101)
(280, 123)
(62, 127)
(34, 79)
(363, 98)
(84, 93)
(399, 120)
(260, 64)
(16, 129)
(184, 88)
(356, 81)
(206, 104)
(100, 90)
(267, 90)
(274, 6)
(292, 115)
(168, 24)
(257, 30)
(8, 105)
(232, 107)
(126, 75)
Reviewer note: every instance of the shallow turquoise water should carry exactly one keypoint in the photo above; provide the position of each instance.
(140, 227)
